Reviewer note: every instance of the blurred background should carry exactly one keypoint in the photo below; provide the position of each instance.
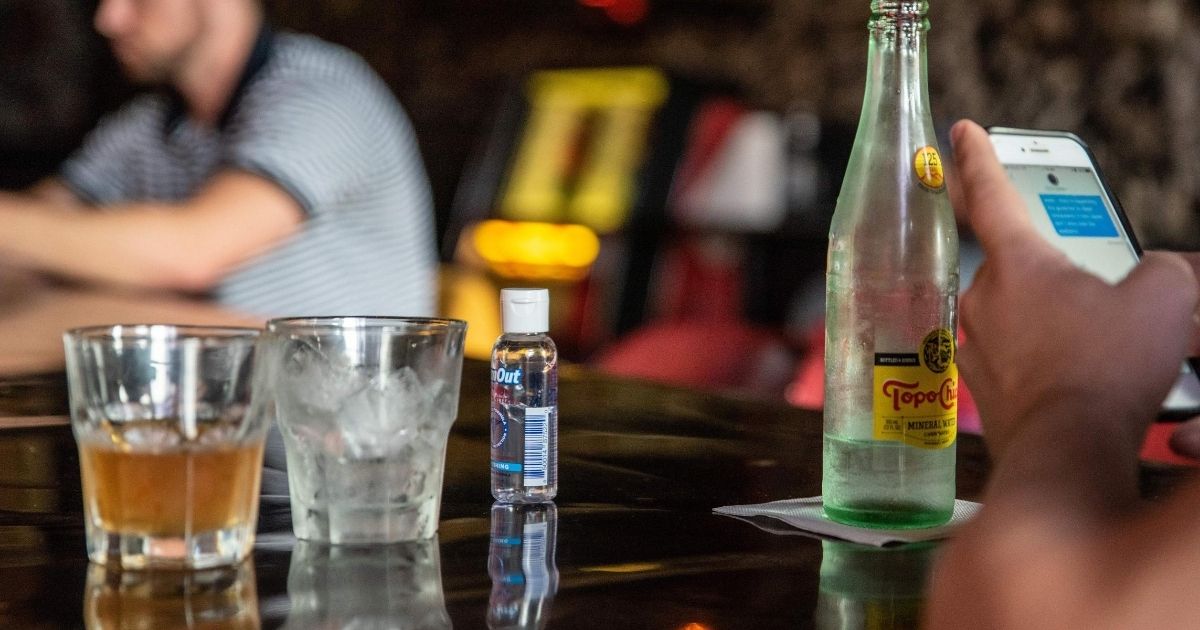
(668, 167)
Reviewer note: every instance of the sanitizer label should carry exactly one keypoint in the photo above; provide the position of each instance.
(916, 395)
(505, 456)
(537, 453)
(520, 433)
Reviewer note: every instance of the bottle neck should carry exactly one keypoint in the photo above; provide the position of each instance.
(897, 89)
(891, 12)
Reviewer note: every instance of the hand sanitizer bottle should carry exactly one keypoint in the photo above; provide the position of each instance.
(524, 376)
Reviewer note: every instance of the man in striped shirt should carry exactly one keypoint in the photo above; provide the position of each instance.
(272, 172)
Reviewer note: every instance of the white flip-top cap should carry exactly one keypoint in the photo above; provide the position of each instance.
(525, 310)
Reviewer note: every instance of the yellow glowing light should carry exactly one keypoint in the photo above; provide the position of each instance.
(629, 567)
(491, 238)
(528, 250)
(471, 296)
(583, 246)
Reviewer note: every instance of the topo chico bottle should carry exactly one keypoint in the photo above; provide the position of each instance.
(891, 382)
(871, 587)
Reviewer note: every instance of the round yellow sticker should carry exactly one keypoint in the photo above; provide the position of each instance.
(928, 165)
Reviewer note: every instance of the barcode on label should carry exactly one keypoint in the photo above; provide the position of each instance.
(536, 453)
(533, 561)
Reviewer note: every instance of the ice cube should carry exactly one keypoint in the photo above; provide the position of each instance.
(387, 415)
(151, 436)
(217, 433)
(122, 411)
(316, 380)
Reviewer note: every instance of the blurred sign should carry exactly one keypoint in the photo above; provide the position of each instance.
(734, 172)
(583, 145)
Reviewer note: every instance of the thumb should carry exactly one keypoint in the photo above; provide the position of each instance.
(984, 198)
(1193, 260)
(1186, 439)
(1161, 290)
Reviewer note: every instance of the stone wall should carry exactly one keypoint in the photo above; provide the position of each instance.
(1124, 74)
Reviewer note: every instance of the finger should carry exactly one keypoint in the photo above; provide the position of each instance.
(954, 189)
(974, 300)
(1193, 260)
(987, 201)
(968, 364)
(968, 303)
(1163, 284)
(1161, 291)
(1186, 439)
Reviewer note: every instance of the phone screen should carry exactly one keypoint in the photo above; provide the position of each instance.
(1070, 209)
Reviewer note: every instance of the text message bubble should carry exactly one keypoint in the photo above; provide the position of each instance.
(1079, 215)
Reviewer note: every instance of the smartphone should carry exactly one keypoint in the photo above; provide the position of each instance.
(1074, 208)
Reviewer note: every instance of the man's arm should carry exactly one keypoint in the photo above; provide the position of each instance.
(1067, 371)
(53, 190)
(189, 245)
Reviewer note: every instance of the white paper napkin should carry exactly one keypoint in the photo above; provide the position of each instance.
(807, 515)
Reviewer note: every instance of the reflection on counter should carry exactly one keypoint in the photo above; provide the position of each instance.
(29, 470)
(213, 599)
(869, 588)
(521, 565)
(23, 554)
(376, 586)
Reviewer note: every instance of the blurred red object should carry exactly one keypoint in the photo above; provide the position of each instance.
(703, 354)
(624, 12)
(1156, 446)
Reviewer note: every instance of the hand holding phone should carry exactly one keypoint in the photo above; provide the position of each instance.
(1073, 208)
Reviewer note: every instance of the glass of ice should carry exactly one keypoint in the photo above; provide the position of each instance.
(354, 586)
(170, 452)
(365, 406)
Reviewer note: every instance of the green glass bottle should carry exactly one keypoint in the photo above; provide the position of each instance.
(891, 381)
(870, 588)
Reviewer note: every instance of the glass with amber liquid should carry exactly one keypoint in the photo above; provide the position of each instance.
(170, 450)
(222, 598)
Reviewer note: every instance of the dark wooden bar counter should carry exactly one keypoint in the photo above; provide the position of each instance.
(641, 466)
(637, 546)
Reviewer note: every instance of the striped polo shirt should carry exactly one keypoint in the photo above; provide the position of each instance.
(316, 120)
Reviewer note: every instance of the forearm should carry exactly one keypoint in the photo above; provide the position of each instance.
(1029, 559)
(1063, 541)
(139, 245)
(187, 245)
(1075, 456)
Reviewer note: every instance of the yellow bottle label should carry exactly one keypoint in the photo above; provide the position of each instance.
(916, 395)
(928, 165)
(891, 612)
